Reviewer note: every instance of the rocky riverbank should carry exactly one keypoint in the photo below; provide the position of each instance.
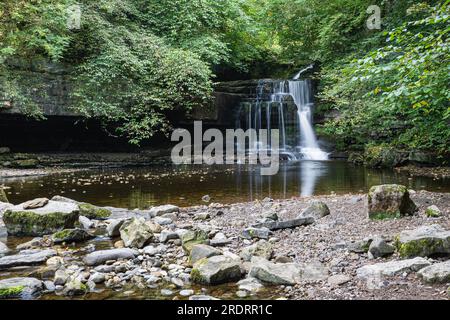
(323, 247)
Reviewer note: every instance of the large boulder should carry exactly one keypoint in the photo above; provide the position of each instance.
(99, 257)
(200, 251)
(216, 270)
(392, 268)
(20, 287)
(436, 273)
(71, 235)
(316, 210)
(389, 201)
(53, 217)
(26, 258)
(135, 233)
(275, 273)
(93, 212)
(424, 241)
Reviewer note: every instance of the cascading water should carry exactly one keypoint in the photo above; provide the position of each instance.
(285, 105)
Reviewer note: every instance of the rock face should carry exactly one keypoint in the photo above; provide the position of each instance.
(275, 273)
(191, 238)
(71, 235)
(389, 201)
(392, 268)
(316, 210)
(26, 258)
(20, 287)
(54, 217)
(424, 241)
(161, 210)
(380, 248)
(436, 273)
(99, 257)
(286, 224)
(216, 270)
(200, 251)
(93, 212)
(135, 233)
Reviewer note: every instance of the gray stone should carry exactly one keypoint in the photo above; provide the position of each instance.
(97, 277)
(113, 227)
(262, 249)
(163, 221)
(216, 270)
(380, 248)
(135, 233)
(286, 224)
(258, 233)
(35, 204)
(64, 199)
(166, 292)
(316, 210)
(424, 241)
(360, 246)
(275, 273)
(250, 284)
(389, 201)
(150, 250)
(338, 279)
(49, 286)
(220, 240)
(35, 243)
(436, 273)
(74, 287)
(202, 216)
(54, 217)
(85, 223)
(166, 235)
(392, 268)
(3, 248)
(71, 235)
(200, 251)
(26, 258)
(270, 215)
(20, 287)
(160, 210)
(186, 293)
(433, 212)
(99, 257)
(60, 277)
(192, 237)
(202, 297)
(313, 271)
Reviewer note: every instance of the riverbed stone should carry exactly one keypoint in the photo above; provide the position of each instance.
(101, 256)
(161, 210)
(200, 251)
(85, 223)
(162, 221)
(216, 270)
(54, 217)
(424, 241)
(35, 203)
(250, 284)
(3, 248)
(274, 273)
(389, 201)
(97, 277)
(313, 271)
(436, 273)
(3, 197)
(26, 258)
(360, 246)
(135, 233)
(220, 240)
(71, 235)
(192, 237)
(254, 232)
(316, 210)
(93, 212)
(20, 287)
(37, 242)
(338, 279)
(113, 227)
(392, 268)
(433, 212)
(380, 248)
(286, 224)
(167, 235)
(262, 249)
(61, 277)
(75, 287)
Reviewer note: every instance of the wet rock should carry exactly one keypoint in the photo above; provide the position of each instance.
(250, 284)
(97, 277)
(99, 257)
(64, 199)
(93, 212)
(424, 241)
(392, 268)
(35, 243)
(61, 277)
(274, 273)
(338, 279)
(286, 224)
(35, 204)
(119, 244)
(166, 292)
(71, 235)
(380, 248)
(20, 287)
(135, 233)
(49, 286)
(162, 221)
(314, 271)
(75, 287)
(436, 273)
(3, 248)
(85, 223)
(54, 217)
(316, 210)
(202, 297)
(433, 212)
(258, 233)
(262, 249)
(167, 235)
(113, 227)
(193, 237)
(200, 251)
(160, 210)
(216, 270)
(389, 201)
(186, 293)
(26, 258)
(55, 262)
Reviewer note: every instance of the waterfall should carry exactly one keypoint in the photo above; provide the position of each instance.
(286, 105)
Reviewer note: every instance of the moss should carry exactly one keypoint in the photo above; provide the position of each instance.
(92, 212)
(196, 276)
(64, 234)
(422, 247)
(429, 212)
(384, 215)
(193, 238)
(3, 197)
(11, 292)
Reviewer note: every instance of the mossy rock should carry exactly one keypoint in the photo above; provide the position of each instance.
(25, 164)
(93, 212)
(389, 201)
(12, 292)
(3, 197)
(424, 241)
(433, 212)
(192, 238)
(71, 235)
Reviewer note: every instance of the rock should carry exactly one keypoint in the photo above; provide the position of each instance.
(258, 233)
(3, 248)
(283, 259)
(3, 197)
(64, 199)
(220, 240)
(160, 210)
(216, 270)
(338, 279)
(241, 294)
(26, 163)
(166, 235)
(55, 262)
(36, 243)
(54, 217)
(93, 212)
(433, 212)
(200, 251)
(270, 215)
(250, 284)
(262, 249)
(392, 268)
(316, 210)
(74, 287)
(191, 238)
(99, 257)
(202, 216)
(20, 287)
(49, 286)
(26, 258)
(71, 235)
(389, 201)
(202, 297)
(436, 273)
(186, 293)
(275, 273)
(154, 227)
(286, 224)
(135, 233)
(61, 277)
(113, 227)
(97, 277)
(163, 221)
(4, 150)
(360, 246)
(314, 271)
(166, 292)
(380, 248)
(423, 242)
(3, 207)
(177, 282)
(150, 250)
(85, 223)
(35, 204)
(206, 198)
(119, 244)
